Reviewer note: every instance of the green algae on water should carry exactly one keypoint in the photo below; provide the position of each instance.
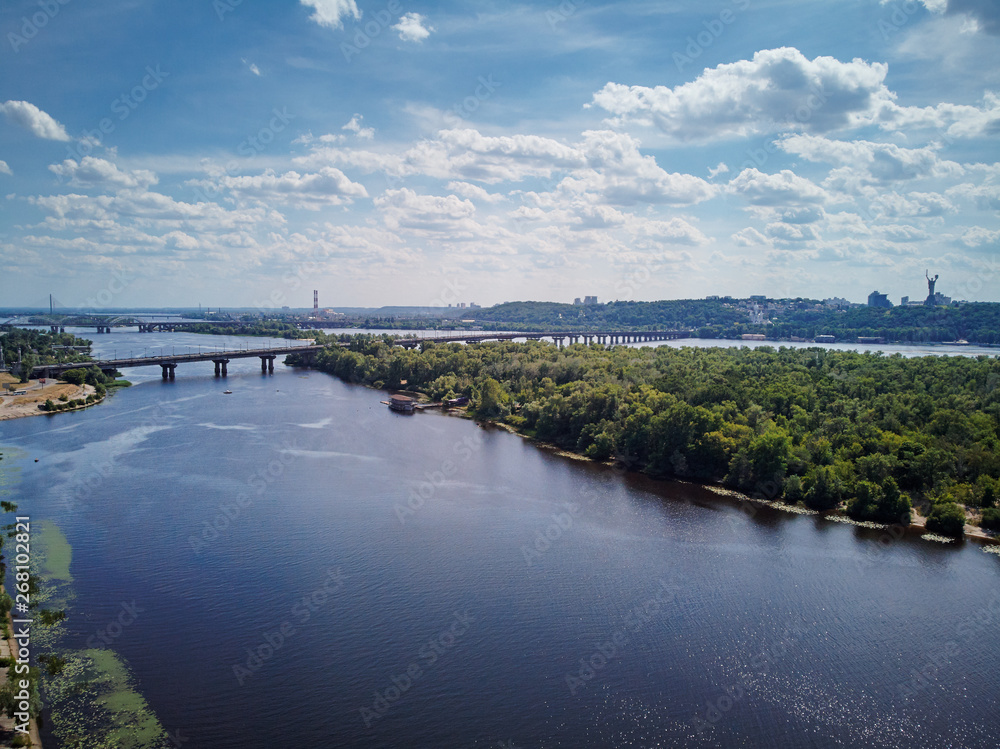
(94, 703)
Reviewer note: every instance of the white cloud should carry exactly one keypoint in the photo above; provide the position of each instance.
(778, 90)
(977, 236)
(330, 13)
(354, 125)
(34, 120)
(873, 162)
(411, 27)
(4, 168)
(101, 174)
(474, 192)
(720, 168)
(327, 187)
(784, 188)
(749, 237)
(405, 209)
(252, 66)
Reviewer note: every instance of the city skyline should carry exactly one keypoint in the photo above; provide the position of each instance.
(241, 155)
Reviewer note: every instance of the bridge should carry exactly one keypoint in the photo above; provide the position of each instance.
(559, 338)
(168, 363)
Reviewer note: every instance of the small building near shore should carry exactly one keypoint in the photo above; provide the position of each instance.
(754, 337)
(401, 403)
(826, 339)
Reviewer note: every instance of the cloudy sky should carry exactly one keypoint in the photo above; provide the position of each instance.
(244, 152)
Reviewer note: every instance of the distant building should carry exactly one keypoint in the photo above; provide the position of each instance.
(590, 300)
(940, 300)
(879, 300)
(758, 298)
(577, 301)
(473, 305)
(836, 302)
(712, 298)
(754, 337)
(826, 339)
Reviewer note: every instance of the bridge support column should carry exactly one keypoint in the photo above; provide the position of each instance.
(168, 370)
(267, 364)
(558, 341)
(220, 367)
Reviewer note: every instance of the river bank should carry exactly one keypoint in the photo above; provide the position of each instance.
(29, 404)
(916, 525)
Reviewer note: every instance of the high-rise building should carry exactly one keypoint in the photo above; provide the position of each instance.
(315, 300)
(879, 300)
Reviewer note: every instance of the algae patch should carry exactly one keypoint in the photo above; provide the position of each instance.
(95, 704)
(54, 552)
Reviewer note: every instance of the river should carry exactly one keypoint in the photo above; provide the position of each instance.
(299, 566)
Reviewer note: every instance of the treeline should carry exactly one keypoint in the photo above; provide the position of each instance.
(863, 432)
(35, 347)
(976, 323)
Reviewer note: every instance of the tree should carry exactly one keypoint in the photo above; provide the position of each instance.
(946, 518)
(492, 399)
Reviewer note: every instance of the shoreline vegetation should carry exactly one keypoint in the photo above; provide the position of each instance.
(882, 440)
(73, 390)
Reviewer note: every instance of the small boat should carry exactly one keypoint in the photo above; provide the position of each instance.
(227, 392)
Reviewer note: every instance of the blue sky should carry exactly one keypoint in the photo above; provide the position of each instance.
(244, 152)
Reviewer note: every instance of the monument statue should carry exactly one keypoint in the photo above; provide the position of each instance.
(930, 286)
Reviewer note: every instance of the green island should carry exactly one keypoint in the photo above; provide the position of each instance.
(873, 436)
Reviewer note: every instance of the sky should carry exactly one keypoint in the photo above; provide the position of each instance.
(241, 153)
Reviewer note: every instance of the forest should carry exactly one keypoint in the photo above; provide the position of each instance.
(712, 318)
(867, 434)
(36, 347)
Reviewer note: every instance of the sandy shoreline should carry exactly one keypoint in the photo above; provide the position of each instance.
(19, 406)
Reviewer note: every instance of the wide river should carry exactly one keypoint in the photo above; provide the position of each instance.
(302, 567)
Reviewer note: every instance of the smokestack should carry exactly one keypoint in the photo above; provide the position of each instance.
(315, 300)
(50, 304)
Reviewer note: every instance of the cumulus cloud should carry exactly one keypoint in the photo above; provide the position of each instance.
(328, 186)
(474, 192)
(784, 188)
(4, 169)
(778, 90)
(411, 27)
(331, 13)
(101, 174)
(354, 125)
(34, 120)
(873, 162)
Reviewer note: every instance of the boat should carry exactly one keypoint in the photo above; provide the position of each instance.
(227, 392)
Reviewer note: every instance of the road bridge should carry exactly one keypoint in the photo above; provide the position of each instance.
(168, 363)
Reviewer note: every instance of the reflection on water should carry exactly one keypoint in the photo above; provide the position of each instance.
(223, 517)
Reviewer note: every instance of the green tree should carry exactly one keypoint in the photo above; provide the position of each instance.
(946, 518)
